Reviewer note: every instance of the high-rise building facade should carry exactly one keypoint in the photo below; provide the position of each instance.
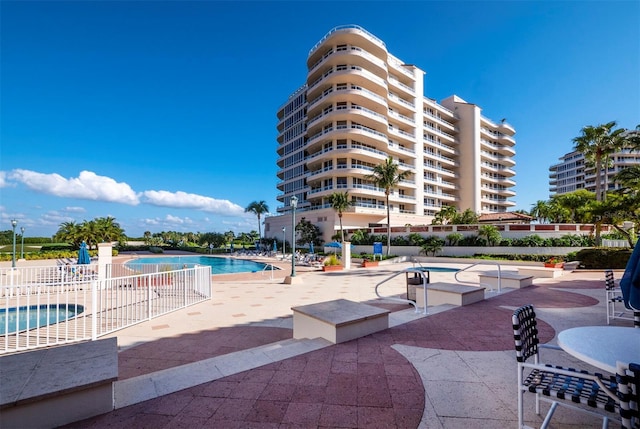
(572, 173)
(359, 106)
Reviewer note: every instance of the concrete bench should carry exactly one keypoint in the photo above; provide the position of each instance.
(338, 321)
(509, 279)
(449, 293)
(541, 272)
(59, 385)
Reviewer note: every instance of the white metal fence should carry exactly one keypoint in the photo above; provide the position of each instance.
(43, 306)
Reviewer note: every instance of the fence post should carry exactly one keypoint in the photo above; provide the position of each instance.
(94, 310)
(149, 297)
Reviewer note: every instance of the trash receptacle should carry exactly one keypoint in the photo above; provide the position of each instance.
(414, 278)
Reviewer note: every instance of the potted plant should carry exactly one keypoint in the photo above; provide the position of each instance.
(331, 263)
(366, 262)
(554, 262)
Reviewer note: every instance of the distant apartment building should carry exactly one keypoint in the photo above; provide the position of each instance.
(359, 106)
(572, 173)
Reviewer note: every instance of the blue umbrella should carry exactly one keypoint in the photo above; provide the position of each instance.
(275, 246)
(334, 244)
(311, 247)
(630, 282)
(83, 254)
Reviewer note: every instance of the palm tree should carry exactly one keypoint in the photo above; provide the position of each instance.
(258, 208)
(597, 144)
(629, 177)
(541, 211)
(387, 176)
(340, 202)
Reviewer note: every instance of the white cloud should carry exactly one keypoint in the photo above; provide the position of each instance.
(191, 201)
(3, 179)
(87, 186)
(72, 209)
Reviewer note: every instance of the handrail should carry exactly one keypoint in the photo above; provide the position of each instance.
(265, 269)
(480, 283)
(414, 261)
(406, 301)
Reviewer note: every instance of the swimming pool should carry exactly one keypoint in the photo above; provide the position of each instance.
(440, 269)
(33, 316)
(218, 265)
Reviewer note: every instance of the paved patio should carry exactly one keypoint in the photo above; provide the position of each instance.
(232, 363)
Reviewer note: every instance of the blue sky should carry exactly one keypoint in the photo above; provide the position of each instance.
(163, 114)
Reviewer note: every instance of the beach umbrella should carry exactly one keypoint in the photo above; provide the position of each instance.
(334, 245)
(311, 247)
(83, 254)
(630, 282)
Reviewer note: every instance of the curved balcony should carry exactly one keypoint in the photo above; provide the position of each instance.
(401, 105)
(489, 156)
(506, 128)
(440, 170)
(450, 162)
(406, 90)
(503, 138)
(351, 93)
(398, 65)
(347, 34)
(485, 178)
(500, 169)
(366, 154)
(395, 147)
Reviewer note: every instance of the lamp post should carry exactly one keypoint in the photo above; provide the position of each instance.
(13, 257)
(284, 229)
(294, 204)
(22, 243)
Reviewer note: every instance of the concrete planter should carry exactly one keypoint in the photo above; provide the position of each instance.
(331, 267)
(366, 264)
(558, 265)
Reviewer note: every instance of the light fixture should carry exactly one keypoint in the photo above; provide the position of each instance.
(22, 244)
(294, 204)
(14, 223)
(284, 229)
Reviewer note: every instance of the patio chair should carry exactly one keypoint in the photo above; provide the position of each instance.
(628, 377)
(555, 384)
(614, 298)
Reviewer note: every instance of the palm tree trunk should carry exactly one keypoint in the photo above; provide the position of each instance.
(598, 173)
(341, 230)
(259, 232)
(388, 225)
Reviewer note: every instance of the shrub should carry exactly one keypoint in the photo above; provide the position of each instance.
(331, 260)
(603, 258)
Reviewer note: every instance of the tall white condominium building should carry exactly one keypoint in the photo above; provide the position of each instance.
(572, 173)
(361, 105)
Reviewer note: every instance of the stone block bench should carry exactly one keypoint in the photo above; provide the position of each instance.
(541, 272)
(449, 293)
(509, 279)
(55, 386)
(338, 321)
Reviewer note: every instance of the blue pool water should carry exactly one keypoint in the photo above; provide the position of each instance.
(33, 316)
(437, 269)
(218, 265)
(441, 269)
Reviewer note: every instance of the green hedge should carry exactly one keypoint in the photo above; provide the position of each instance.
(603, 258)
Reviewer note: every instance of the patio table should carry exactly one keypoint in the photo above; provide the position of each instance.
(602, 346)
